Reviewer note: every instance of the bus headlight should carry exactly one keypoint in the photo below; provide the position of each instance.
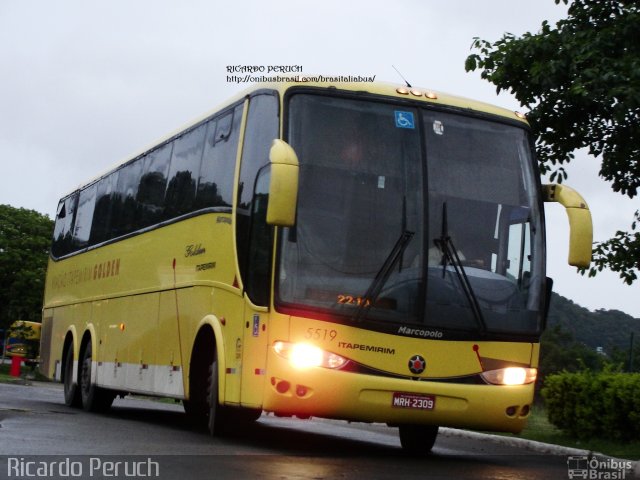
(511, 376)
(304, 355)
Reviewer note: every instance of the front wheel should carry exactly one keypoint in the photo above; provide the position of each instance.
(418, 439)
(216, 420)
(94, 398)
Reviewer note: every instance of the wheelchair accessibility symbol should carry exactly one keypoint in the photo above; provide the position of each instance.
(404, 119)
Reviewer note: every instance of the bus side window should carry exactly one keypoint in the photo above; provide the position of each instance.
(260, 242)
(63, 230)
(217, 171)
(101, 225)
(84, 217)
(261, 129)
(153, 184)
(124, 206)
(183, 173)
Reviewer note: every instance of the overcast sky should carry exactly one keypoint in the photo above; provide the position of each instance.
(84, 85)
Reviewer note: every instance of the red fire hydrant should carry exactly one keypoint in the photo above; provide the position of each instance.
(15, 366)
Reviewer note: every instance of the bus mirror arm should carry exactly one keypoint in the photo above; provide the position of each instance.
(283, 186)
(580, 224)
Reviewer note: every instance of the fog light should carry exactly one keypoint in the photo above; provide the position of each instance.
(282, 386)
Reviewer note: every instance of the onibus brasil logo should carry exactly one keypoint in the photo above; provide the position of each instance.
(583, 466)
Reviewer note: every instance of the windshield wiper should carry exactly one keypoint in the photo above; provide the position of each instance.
(451, 256)
(379, 281)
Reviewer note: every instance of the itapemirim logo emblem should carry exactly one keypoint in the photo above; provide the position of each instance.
(417, 364)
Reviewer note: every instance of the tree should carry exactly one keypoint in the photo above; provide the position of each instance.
(560, 351)
(25, 237)
(581, 84)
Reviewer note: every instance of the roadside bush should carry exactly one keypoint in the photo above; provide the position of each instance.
(594, 404)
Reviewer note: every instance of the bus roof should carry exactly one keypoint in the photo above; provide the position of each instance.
(393, 90)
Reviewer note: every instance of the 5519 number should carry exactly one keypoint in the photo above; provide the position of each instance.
(320, 334)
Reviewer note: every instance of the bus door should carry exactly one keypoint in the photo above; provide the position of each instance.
(257, 294)
(254, 354)
(254, 240)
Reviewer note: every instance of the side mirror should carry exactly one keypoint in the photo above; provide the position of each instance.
(580, 225)
(283, 186)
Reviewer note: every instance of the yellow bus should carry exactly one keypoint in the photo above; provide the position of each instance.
(365, 252)
(23, 340)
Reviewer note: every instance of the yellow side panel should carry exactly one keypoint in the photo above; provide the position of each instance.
(148, 294)
(168, 333)
(228, 308)
(196, 250)
(254, 355)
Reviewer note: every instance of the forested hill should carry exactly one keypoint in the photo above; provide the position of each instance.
(602, 328)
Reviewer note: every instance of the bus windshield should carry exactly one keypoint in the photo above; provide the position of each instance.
(373, 173)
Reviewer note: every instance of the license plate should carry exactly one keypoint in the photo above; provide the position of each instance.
(413, 400)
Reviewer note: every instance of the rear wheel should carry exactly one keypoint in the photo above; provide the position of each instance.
(245, 416)
(218, 421)
(72, 396)
(418, 439)
(94, 398)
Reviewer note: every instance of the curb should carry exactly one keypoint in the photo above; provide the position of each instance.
(535, 446)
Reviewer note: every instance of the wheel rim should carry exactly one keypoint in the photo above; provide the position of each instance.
(212, 391)
(85, 376)
(68, 375)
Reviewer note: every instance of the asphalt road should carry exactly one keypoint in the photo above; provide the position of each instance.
(140, 438)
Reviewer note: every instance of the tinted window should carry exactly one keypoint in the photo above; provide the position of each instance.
(153, 185)
(183, 172)
(482, 204)
(360, 195)
(215, 186)
(262, 128)
(84, 216)
(167, 182)
(260, 243)
(62, 232)
(124, 207)
(101, 225)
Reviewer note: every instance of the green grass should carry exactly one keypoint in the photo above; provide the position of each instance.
(4, 374)
(168, 400)
(24, 370)
(540, 429)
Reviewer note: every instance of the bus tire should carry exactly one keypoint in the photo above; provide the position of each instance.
(197, 412)
(246, 416)
(94, 398)
(72, 396)
(218, 420)
(418, 439)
